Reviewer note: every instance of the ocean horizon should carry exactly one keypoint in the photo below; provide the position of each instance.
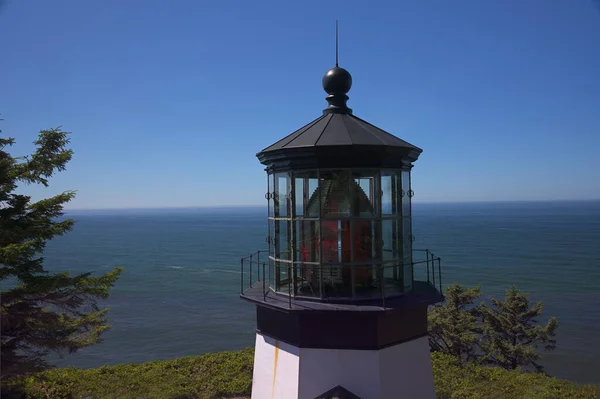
(179, 294)
(247, 206)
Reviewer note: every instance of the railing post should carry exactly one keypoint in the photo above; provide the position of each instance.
(440, 274)
(241, 275)
(294, 273)
(320, 279)
(382, 271)
(427, 257)
(258, 265)
(433, 269)
(263, 281)
(289, 287)
(250, 274)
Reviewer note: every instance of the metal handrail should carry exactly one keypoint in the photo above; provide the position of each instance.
(253, 262)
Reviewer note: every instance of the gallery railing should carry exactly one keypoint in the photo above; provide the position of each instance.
(258, 271)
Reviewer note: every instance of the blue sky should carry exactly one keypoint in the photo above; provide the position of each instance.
(169, 101)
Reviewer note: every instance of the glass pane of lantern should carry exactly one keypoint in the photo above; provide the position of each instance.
(283, 282)
(376, 240)
(300, 200)
(333, 282)
(391, 239)
(282, 240)
(363, 279)
(307, 257)
(307, 240)
(276, 239)
(271, 274)
(406, 237)
(392, 248)
(390, 193)
(362, 231)
(312, 210)
(336, 241)
(305, 186)
(271, 190)
(388, 273)
(294, 241)
(406, 193)
(282, 188)
(331, 241)
(271, 237)
(386, 195)
(392, 279)
(364, 191)
(377, 279)
(345, 241)
(277, 275)
(306, 282)
(336, 193)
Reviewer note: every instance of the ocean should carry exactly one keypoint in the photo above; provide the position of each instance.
(179, 293)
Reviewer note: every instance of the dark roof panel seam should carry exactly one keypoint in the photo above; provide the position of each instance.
(303, 130)
(347, 130)
(323, 131)
(372, 127)
(368, 130)
(291, 137)
(383, 131)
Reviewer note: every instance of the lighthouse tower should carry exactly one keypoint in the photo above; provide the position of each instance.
(341, 295)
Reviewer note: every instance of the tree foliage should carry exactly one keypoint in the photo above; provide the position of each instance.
(41, 312)
(504, 333)
(511, 333)
(453, 325)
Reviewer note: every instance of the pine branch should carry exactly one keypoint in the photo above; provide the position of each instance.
(41, 312)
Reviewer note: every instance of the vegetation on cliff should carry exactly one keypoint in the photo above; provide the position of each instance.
(229, 375)
(504, 333)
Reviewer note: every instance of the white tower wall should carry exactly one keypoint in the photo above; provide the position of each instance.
(283, 371)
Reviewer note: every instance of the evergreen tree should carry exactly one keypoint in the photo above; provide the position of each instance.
(41, 312)
(511, 334)
(453, 325)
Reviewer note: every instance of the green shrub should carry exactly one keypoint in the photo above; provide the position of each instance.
(217, 375)
(474, 382)
(229, 375)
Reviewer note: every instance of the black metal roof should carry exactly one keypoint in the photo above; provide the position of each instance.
(338, 392)
(338, 138)
(335, 129)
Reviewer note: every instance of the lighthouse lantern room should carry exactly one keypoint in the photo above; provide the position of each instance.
(341, 294)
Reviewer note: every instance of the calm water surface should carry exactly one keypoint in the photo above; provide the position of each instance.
(179, 293)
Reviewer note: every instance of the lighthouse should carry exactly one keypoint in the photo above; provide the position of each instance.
(341, 295)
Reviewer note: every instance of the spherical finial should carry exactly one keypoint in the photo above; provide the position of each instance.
(337, 81)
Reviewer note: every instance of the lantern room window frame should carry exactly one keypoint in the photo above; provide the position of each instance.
(302, 272)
